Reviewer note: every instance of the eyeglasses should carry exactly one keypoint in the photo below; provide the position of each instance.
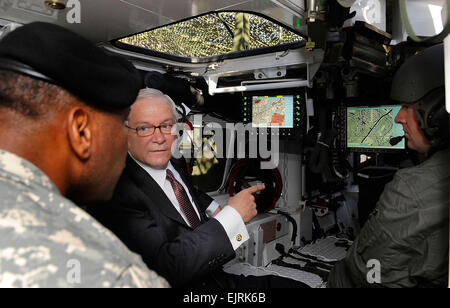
(145, 130)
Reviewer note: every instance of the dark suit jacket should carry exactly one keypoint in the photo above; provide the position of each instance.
(142, 216)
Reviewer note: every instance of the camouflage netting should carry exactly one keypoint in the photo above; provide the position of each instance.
(214, 34)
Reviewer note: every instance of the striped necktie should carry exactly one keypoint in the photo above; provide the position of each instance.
(183, 200)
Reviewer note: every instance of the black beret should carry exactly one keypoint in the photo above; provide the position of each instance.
(57, 55)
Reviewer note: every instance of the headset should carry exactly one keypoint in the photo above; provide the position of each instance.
(433, 119)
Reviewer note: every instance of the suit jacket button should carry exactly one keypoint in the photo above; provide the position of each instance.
(238, 237)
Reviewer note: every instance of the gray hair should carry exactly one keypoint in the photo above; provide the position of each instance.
(152, 93)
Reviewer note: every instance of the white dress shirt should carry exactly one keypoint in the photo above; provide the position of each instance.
(228, 217)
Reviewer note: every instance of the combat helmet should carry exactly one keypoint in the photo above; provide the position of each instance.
(421, 80)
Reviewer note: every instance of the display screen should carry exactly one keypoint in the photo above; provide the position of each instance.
(273, 111)
(373, 127)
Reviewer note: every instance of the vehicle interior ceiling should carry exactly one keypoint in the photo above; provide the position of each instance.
(339, 58)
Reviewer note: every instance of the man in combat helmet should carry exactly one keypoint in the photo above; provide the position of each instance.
(405, 242)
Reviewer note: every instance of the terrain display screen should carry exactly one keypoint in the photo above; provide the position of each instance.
(373, 127)
(273, 111)
(279, 112)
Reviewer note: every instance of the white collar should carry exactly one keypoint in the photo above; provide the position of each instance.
(159, 175)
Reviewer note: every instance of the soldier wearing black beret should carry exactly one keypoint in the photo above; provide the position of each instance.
(63, 103)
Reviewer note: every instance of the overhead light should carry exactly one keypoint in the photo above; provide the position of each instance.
(55, 4)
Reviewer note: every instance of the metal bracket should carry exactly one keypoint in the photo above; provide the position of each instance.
(268, 71)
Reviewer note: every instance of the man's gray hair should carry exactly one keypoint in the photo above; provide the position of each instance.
(152, 93)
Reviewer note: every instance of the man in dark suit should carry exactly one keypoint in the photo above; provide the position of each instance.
(181, 233)
(158, 213)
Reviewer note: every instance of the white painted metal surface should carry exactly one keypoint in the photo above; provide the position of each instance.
(372, 12)
(425, 17)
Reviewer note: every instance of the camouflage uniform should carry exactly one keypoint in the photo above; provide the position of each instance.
(47, 241)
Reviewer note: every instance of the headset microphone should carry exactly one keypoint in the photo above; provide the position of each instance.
(395, 140)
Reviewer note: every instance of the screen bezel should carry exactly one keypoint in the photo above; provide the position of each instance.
(299, 105)
(362, 149)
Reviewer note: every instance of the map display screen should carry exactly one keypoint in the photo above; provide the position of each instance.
(273, 111)
(373, 127)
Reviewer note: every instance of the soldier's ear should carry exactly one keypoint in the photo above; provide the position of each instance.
(79, 132)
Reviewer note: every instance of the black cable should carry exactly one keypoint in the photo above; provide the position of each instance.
(330, 263)
(318, 161)
(310, 269)
(294, 225)
(309, 262)
(225, 24)
(317, 231)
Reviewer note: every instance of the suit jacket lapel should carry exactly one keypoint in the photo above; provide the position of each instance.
(149, 186)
